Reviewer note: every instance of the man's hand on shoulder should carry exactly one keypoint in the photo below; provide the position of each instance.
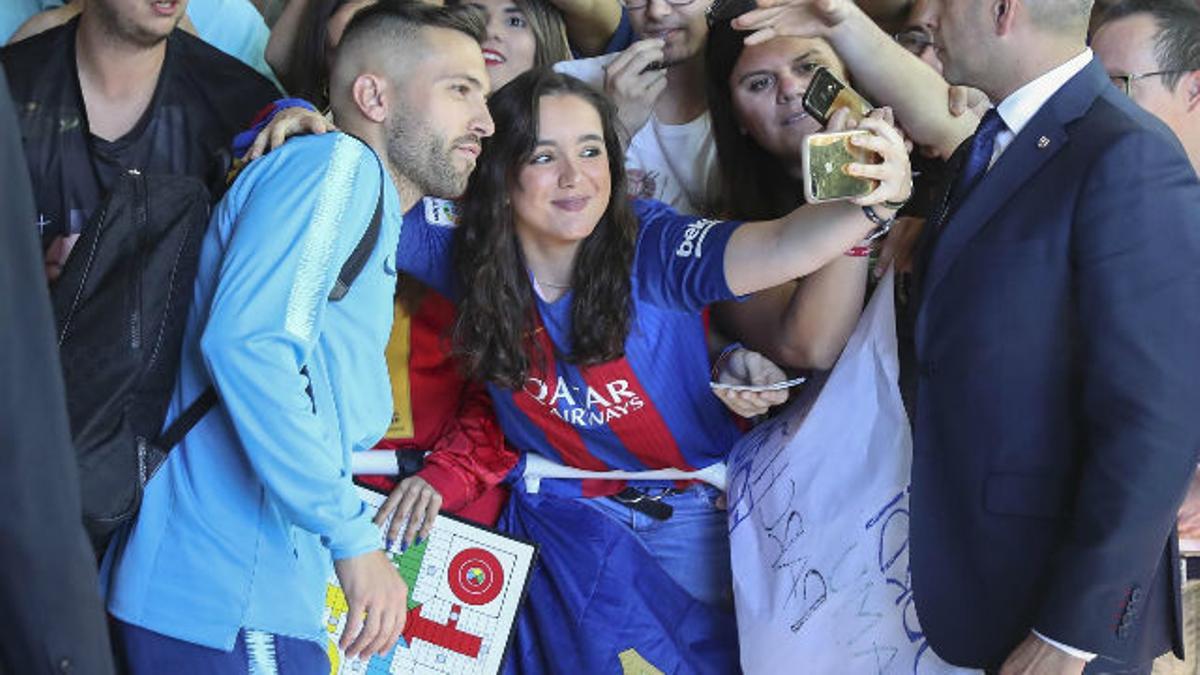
(377, 598)
(1035, 656)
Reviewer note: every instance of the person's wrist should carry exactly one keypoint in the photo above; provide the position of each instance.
(723, 358)
(897, 204)
(882, 217)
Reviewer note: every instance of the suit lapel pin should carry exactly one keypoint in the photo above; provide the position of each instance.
(1043, 142)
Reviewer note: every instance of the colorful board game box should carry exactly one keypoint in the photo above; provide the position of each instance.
(465, 584)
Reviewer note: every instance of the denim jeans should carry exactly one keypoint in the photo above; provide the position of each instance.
(692, 545)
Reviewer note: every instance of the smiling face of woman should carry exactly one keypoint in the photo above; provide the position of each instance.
(563, 189)
(511, 46)
(768, 84)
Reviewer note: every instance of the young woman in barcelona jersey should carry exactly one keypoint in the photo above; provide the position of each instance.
(583, 314)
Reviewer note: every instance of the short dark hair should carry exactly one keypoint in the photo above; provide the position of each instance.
(399, 20)
(1177, 43)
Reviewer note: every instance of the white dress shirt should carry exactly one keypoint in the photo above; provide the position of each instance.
(1024, 103)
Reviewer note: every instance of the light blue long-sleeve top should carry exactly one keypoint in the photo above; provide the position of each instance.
(239, 527)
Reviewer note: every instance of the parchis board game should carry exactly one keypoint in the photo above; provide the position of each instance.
(464, 586)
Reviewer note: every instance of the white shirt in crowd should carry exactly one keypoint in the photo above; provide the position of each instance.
(673, 163)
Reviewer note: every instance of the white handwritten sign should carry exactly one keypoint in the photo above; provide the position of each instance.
(818, 521)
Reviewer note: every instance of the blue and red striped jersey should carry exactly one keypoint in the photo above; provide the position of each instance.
(650, 409)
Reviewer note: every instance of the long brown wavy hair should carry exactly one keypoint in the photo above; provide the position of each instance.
(494, 334)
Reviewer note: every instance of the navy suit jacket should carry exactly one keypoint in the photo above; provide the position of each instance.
(1058, 398)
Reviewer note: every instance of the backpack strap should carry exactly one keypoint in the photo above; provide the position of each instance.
(353, 266)
(187, 419)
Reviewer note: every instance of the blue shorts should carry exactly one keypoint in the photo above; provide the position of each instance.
(254, 653)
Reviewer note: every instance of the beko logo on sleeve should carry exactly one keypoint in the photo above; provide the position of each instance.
(693, 238)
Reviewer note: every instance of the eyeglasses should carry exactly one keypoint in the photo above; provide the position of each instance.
(915, 40)
(1125, 82)
(641, 4)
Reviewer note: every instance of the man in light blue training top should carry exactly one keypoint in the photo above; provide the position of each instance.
(224, 569)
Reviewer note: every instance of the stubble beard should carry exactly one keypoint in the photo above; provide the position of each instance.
(126, 30)
(419, 155)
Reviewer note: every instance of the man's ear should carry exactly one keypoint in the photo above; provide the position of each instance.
(1191, 89)
(369, 92)
(1004, 14)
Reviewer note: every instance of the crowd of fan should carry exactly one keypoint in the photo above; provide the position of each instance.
(514, 302)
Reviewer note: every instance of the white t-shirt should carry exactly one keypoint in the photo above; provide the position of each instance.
(673, 163)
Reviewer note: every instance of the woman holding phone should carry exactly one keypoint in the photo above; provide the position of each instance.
(582, 311)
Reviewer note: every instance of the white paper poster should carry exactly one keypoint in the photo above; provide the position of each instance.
(818, 508)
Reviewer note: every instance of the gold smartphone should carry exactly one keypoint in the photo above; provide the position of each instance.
(825, 157)
(826, 93)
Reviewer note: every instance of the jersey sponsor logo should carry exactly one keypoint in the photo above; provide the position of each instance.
(440, 212)
(585, 406)
(693, 238)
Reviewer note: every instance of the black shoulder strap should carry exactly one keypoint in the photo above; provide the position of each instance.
(187, 419)
(353, 266)
(362, 251)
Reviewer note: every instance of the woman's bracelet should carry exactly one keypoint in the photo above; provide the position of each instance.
(882, 225)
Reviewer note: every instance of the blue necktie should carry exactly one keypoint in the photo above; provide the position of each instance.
(983, 143)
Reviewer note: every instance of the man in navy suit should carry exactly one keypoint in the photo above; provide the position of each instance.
(1058, 405)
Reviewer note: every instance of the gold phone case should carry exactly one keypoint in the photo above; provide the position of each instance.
(825, 157)
(826, 94)
(851, 100)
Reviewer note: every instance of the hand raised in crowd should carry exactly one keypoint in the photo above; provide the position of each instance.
(792, 18)
(744, 367)
(1035, 656)
(634, 80)
(377, 600)
(288, 122)
(415, 500)
(893, 172)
